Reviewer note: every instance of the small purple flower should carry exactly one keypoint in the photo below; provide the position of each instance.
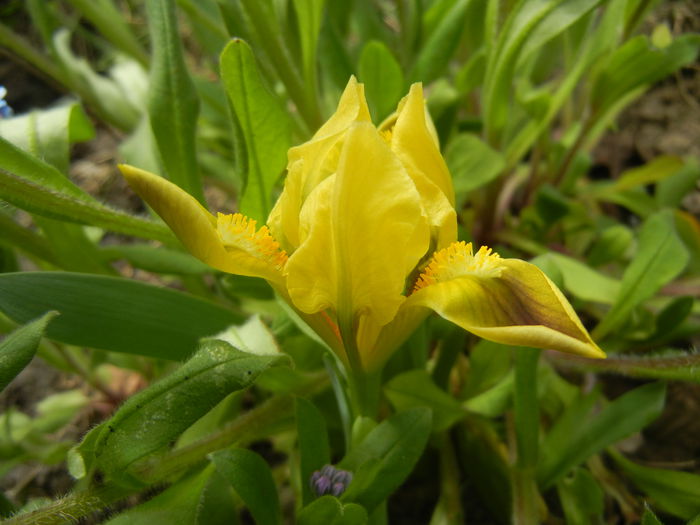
(330, 480)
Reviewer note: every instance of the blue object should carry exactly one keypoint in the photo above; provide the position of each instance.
(5, 110)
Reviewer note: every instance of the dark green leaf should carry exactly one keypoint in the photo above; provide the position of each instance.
(435, 54)
(386, 456)
(314, 449)
(649, 518)
(416, 388)
(330, 511)
(251, 478)
(579, 433)
(18, 348)
(677, 493)
(581, 497)
(112, 313)
(151, 420)
(178, 504)
(173, 104)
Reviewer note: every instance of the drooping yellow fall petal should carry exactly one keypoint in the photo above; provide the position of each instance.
(363, 230)
(230, 243)
(504, 300)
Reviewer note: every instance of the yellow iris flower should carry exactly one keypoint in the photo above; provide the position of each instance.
(362, 242)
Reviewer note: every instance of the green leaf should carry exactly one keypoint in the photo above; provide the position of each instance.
(677, 493)
(112, 313)
(472, 163)
(652, 172)
(112, 99)
(579, 279)
(309, 15)
(18, 348)
(559, 19)
(416, 388)
(112, 25)
(386, 456)
(579, 432)
(649, 518)
(661, 256)
(173, 104)
(671, 191)
(251, 478)
(382, 76)
(329, 510)
(636, 64)
(156, 259)
(264, 124)
(435, 54)
(314, 449)
(178, 504)
(500, 69)
(610, 246)
(35, 186)
(151, 420)
(581, 498)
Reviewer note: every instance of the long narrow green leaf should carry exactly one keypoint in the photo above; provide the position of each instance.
(677, 493)
(173, 104)
(661, 256)
(112, 25)
(578, 434)
(442, 43)
(113, 313)
(314, 450)
(264, 124)
(38, 199)
(501, 63)
(309, 13)
(13, 235)
(18, 348)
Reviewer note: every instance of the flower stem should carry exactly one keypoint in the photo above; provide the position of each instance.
(527, 427)
(364, 386)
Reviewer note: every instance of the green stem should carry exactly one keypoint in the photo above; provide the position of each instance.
(70, 508)
(364, 386)
(527, 427)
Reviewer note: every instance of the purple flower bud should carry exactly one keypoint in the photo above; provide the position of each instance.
(330, 480)
(322, 485)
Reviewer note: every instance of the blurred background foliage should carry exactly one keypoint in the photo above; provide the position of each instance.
(559, 154)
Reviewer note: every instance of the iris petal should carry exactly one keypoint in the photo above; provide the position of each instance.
(364, 230)
(504, 300)
(242, 250)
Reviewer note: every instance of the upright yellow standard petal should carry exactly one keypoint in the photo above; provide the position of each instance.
(230, 243)
(414, 141)
(310, 163)
(364, 230)
(504, 300)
